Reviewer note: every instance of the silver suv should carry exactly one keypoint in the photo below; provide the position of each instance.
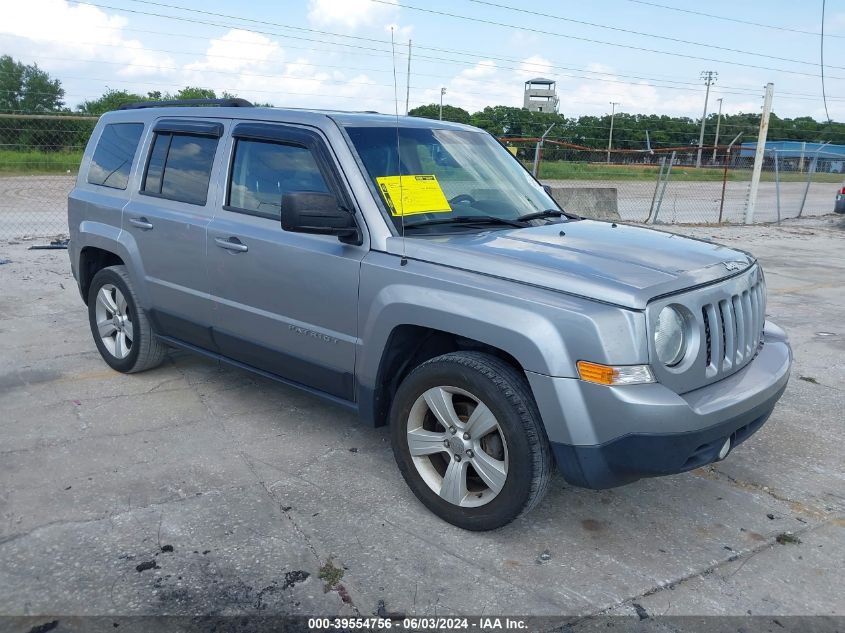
(412, 271)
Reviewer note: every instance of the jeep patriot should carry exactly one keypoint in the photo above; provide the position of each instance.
(413, 271)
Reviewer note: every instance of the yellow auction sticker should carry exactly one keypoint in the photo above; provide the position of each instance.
(412, 195)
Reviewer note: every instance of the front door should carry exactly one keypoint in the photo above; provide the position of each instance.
(284, 302)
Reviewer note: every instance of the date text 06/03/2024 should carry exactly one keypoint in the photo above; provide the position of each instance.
(419, 623)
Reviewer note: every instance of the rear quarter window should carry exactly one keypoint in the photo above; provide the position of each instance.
(114, 155)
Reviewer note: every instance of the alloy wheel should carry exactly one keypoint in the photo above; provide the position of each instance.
(114, 323)
(457, 446)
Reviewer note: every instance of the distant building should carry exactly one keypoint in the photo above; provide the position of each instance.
(540, 95)
(797, 155)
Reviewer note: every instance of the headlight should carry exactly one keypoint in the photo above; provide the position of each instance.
(670, 336)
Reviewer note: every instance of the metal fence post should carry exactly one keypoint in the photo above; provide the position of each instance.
(777, 182)
(539, 149)
(656, 188)
(725, 175)
(724, 184)
(810, 172)
(759, 154)
(663, 190)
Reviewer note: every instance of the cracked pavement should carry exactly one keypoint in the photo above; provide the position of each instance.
(255, 485)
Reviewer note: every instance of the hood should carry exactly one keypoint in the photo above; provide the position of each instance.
(618, 264)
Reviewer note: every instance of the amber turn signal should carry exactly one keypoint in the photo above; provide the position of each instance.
(610, 375)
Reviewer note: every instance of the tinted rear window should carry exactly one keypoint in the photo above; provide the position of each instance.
(114, 154)
(180, 167)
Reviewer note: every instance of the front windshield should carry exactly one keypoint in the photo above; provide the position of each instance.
(447, 177)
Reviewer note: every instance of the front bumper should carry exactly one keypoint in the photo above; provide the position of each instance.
(609, 436)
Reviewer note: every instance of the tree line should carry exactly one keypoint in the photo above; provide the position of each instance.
(629, 130)
(27, 89)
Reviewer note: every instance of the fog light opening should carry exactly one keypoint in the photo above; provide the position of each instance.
(726, 448)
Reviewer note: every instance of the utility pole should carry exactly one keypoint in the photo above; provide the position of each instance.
(408, 80)
(718, 123)
(613, 105)
(758, 156)
(709, 76)
(442, 92)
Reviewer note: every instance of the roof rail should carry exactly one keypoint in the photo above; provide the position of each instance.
(223, 103)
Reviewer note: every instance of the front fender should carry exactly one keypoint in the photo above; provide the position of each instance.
(545, 331)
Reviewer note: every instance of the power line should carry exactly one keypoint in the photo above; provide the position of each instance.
(192, 20)
(371, 49)
(594, 41)
(276, 75)
(480, 55)
(727, 19)
(640, 33)
(821, 63)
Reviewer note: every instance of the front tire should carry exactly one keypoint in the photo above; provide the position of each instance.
(120, 328)
(468, 439)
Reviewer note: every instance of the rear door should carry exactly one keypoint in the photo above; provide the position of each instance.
(168, 219)
(285, 302)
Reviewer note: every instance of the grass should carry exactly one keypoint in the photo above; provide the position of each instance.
(330, 575)
(565, 170)
(24, 163)
(787, 538)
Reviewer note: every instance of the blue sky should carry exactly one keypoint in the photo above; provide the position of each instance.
(336, 53)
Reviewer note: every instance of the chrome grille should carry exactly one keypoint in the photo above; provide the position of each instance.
(733, 328)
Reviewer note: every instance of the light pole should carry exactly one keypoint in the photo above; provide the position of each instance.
(718, 123)
(442, 92)
(613, 105)
(709, 76)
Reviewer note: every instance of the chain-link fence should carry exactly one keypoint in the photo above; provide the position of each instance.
(39, 160)
(40, 155)
(664, 185)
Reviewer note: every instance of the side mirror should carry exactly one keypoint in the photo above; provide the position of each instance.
(548, 190)
(318, 213)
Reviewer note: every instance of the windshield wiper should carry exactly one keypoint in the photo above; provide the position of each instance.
(547, 213)
(467, 220)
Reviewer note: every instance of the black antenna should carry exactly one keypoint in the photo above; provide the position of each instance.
(401, 205)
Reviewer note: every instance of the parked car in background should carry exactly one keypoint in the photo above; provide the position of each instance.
(413, 271)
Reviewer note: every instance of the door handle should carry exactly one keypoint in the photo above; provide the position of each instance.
(232, 244)
(141, 223)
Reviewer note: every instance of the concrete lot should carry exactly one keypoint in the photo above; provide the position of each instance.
(255, 486)
(699, 202)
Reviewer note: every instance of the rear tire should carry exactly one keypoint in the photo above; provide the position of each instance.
(481, 457)
(121, 330)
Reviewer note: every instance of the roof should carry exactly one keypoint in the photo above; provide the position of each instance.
(286, 115)
(540, 80)
(792, 149)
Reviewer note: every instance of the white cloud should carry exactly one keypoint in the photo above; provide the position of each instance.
(535, 66)
(257, 68)
(239, 50)
(350, 13)
(62, 34)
